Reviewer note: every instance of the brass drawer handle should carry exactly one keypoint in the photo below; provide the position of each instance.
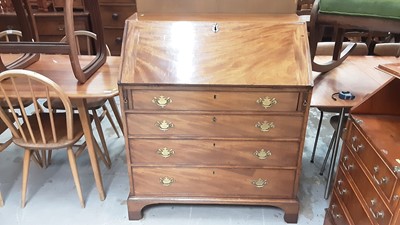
(335, 215)
(265, 126)
(383, 180)
(164, 125)
(267, 102)
(347, 167)
(165, 152)
(341, 191)
(376, 215)
(260, 183)
(167, 181)
(161, 101)
(262, 154)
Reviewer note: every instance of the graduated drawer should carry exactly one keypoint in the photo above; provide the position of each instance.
(206, 182)
(350, 200)
(215, 101)
(337, 213)
(378, 172)
(53, 24)
(213, 152)
(215, 125)
(113, 38)
(113, 15)
(377, 208)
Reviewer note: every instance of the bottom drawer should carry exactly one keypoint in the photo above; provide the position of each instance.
(214, 182)
(336, 212)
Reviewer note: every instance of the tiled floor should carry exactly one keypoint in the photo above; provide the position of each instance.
(52, 199)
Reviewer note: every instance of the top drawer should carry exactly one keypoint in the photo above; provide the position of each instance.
(215, 101)
(115, 15)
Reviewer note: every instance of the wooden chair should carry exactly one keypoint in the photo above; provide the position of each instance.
(370, 15)
(33, 49)
(95, 104)
(387, 49)
(39, 130)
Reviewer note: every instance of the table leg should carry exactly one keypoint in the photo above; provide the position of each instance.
(84, 116)
(334, 154)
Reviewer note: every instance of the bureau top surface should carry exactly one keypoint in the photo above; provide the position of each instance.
(243, 50)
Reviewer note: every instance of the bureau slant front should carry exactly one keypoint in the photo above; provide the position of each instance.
(215, 109)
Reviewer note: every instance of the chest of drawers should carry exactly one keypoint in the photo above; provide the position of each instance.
(367, 187)
(215, 110)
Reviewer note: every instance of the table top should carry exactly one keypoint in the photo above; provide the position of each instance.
(228, 50)
(357, 74)
(103, 82)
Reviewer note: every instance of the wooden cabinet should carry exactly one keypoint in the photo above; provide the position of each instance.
(50, 24)
(113, 15)
(215, 109)
(367, 187)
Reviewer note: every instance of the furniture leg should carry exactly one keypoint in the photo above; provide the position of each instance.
(317, 136)
(25, 173)
(1, 200)
(84, 116)
(334, 154)
(117, 115)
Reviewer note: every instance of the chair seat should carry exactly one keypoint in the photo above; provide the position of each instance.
(61, 132)
(91, 104)
(388, 9)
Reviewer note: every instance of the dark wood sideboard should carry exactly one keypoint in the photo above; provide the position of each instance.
(51, 24)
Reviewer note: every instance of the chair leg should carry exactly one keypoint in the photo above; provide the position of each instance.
(105, 108)
(1, 200)
(75, 175)
(115, 110)
(328, 153)
(317, 136)
(25, 173)
(105, 156)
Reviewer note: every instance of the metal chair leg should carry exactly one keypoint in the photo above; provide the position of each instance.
(317, 136)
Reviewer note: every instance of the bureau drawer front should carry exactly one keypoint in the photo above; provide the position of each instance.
(346, 194)
(115, 15)
(337, 213)
(54, 25)
(235, 126)
(113, 39)
(213, 182)
(379, 173)
(378, 210)
(213, 152)
(215, 101)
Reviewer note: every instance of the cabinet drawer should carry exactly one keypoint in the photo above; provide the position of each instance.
(379, 173)
(347, 195)
(211, 152)
(337, 213)
(215, 101)
(113, 38)
(53, 24)
(215, 125)
(115, 15)
(213, 182)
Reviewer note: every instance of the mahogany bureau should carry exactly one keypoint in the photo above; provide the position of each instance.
(215, 109)
(367, 188)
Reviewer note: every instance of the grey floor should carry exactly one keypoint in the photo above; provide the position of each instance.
(52, 199)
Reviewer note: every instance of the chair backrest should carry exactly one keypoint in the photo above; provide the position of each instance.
(387, 49)
(326, 48)
(11, 35)
(29, 30)
(34, 126)
(87, 37)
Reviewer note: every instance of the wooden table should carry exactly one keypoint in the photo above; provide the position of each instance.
(357, 74)
(103, 84)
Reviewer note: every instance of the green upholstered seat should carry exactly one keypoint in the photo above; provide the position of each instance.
(388, 9)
